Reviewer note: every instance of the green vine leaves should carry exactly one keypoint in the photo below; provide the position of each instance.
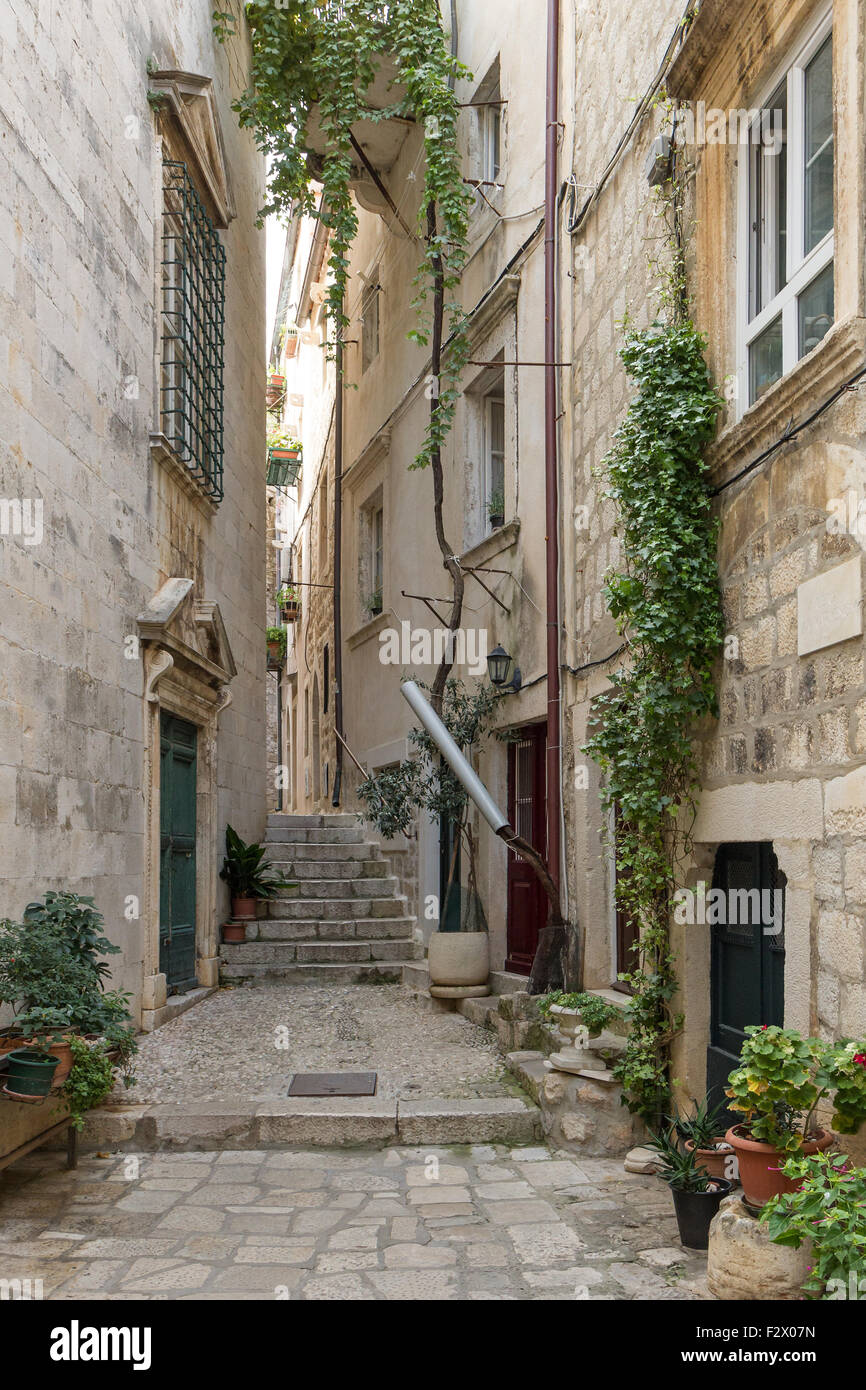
(665, 600)
(320, 59)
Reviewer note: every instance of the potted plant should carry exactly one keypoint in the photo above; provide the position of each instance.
(571, 1012)
(697, 1196)
(704, 1131)
(496, 510)
(52, 973)
(29, 1073)
(234, 931)
(827, 1208)
(289, 603)
(276, 639)
(247, 876)
(276, 389)
(284, 458)
(781, 1080)
(459, 951)
(373, 603)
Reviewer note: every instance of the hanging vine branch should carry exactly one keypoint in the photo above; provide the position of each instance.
(319, 60)
(665, 600)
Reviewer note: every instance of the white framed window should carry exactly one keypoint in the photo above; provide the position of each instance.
(786, 243)
(377, 555)
(370, 320)
(493, 447)
(371, 555)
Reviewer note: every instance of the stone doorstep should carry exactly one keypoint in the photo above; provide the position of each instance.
(319, 1121)
(175, 1005)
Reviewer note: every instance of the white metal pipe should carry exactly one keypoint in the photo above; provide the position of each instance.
(459, 764)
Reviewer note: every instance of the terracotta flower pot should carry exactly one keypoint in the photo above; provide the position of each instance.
(459, 958)
(244, 908)
(716, 1163)
(234, 931)
(759, 1164)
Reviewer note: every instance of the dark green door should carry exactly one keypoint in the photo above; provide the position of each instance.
(177, 853)
(747, 972)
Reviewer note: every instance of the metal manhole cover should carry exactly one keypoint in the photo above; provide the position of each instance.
(333, 1083)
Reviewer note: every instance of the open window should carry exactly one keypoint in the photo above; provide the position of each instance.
(370, 320)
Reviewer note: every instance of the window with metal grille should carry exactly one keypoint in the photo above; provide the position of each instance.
(193, 327)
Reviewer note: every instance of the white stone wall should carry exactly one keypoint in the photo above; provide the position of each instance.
(79, 229)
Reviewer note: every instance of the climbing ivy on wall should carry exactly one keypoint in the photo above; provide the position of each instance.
(665, 599)
(321, 59)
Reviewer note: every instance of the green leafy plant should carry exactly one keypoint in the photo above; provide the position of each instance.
(704, 1127)
(278, 635)
(280, 438)
(665, 601)
(245, 871)
(373, 603)
(424, 782)
(829, 1209)
(678, 1166)
(89, 1081)
(496, 505)
(783, 1077)
(595, 1013)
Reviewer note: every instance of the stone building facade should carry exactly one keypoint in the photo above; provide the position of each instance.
(132, 708)
(783, 768)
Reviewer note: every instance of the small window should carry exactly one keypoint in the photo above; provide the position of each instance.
(370, 321)
(788, 305)
(378, 553)
(492, 152)
(193, 326)
(493, 436)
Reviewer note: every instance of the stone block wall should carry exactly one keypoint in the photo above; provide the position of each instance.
(80, 237)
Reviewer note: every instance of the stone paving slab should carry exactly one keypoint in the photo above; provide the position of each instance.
(407, 1222)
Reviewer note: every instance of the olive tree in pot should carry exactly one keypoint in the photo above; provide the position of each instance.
(458, 959)
(697, 1196)
(777, 1088)
(248, 877)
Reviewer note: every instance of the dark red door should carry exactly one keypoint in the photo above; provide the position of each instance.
(527, 813)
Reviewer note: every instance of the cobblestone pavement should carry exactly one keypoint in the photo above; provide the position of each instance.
(248, 1042)
(486, 1222)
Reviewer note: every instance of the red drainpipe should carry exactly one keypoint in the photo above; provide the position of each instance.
(550, 449)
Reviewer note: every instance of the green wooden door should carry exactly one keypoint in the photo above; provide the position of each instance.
(177, 853)
(747, 972)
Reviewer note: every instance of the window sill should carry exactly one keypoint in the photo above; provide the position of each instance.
(795, 395)
(162, 453)
(492, 545)
(370, 628)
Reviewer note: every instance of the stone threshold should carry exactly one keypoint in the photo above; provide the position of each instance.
(320, 1121)
(174, 1006)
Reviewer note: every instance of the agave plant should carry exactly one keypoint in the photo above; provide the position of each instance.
(245, 872)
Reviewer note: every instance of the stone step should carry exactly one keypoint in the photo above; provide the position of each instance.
(363, 853)
(311, 822)
(314, 835)
(334, 909)
(319, 952)
(340, 889)
(332, 870)
(367, 929)
(316, 973)
(350, 1121)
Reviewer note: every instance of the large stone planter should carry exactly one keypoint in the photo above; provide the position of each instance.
(743, 1263)
(459, 963)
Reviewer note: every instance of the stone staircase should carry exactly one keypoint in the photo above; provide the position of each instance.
(344, 923)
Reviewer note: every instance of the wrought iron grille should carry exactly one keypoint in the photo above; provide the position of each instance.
(193, 327)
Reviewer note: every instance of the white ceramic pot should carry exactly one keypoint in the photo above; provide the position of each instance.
(459, 958)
